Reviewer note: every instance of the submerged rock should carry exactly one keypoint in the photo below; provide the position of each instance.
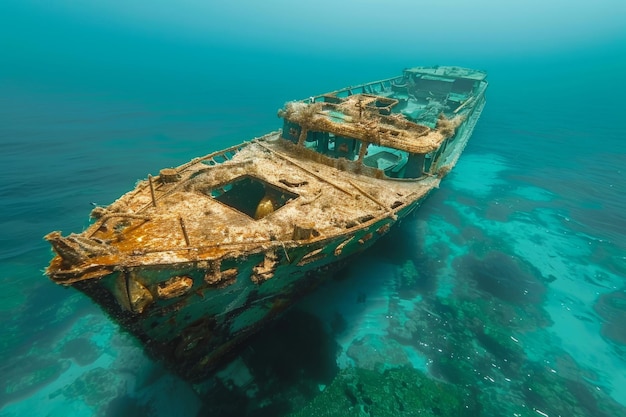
(504, 277)
(82, 350)
(612, 308)
(26, 375)
(376, 353)
(408, 274)
(397, 392)
(96, 387)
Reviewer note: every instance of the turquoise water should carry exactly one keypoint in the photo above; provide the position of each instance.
(504, 296)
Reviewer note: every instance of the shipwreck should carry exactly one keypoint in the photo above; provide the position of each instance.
(196, 259)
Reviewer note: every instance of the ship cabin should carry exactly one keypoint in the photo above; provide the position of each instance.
(398, 128)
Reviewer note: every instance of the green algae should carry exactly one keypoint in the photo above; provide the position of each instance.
(483, 346)
(555, 394)
(96, 387)
(376, 353)
(408, 274)
(396, 392)
(82, 350)
(26, 375)
(612, 308)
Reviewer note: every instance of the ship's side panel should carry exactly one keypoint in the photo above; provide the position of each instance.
(458, 142)
(196, 330)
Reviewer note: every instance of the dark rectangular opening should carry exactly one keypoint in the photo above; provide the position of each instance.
(252, 196)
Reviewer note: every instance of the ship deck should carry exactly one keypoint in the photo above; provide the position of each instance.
(209, 210)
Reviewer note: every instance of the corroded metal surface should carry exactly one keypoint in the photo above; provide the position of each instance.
(196, 259)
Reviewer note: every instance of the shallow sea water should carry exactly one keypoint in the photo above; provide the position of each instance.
(505, 294)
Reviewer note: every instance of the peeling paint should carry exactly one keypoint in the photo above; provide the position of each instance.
(196, 259)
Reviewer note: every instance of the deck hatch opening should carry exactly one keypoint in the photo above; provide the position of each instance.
(253, 196)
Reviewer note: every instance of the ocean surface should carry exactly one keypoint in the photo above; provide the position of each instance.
(505, 295)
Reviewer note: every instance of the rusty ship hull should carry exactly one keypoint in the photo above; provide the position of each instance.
(195, 260)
